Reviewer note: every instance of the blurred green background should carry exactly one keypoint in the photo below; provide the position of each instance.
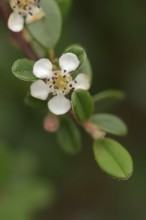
(37, 180)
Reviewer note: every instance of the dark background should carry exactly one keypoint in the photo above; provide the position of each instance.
(114, 35)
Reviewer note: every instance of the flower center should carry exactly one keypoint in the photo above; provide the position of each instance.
(24, 7)
(24, 2)
(60, 83)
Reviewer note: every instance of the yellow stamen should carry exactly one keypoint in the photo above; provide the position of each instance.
(60, 83)
(23, 5)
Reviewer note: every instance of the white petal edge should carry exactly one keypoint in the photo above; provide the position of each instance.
(68, 62)
(15, 22)
(59, 105)
(39, 89)
(38, 14)
(83, 81)
(43, 69)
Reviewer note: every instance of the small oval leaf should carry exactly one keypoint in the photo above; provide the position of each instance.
(113, 158)
(84, 68)
(82, 105)
(107, 98)
(47, 30)
(69, 137)
(22, 69)
(109, 94)
(110, 124)
(79, 51)
(64, 6)
(35, 103)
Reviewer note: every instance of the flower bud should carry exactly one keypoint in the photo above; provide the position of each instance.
(51, 123)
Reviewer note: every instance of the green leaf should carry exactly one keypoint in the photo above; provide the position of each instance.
(113, 158)
(107, 98)
(110, 124)
(47, 30)
(79, 51)
(84, 68)
(22, 69)
(69, 137)
(64, 6)
(82, 104)
(35, 103)
(109, 94)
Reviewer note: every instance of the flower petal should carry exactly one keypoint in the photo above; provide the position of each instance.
(43, 69)
(15, 22)
(83, 81)
(68, 62)
(37, 14)
(59, 105)
(39, 89)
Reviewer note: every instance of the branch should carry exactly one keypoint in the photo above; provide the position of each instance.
(18, 37)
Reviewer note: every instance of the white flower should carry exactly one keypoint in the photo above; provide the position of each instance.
(24, 10)
(58, 83)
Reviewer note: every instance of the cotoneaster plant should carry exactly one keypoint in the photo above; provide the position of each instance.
(61, 85)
